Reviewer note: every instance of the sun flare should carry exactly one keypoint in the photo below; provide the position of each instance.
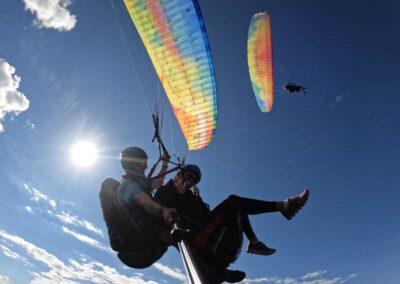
(84, 153)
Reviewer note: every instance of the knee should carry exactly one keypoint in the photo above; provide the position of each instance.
(143, 257)
(233, 198)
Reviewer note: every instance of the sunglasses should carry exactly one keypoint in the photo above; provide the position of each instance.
(190, 178)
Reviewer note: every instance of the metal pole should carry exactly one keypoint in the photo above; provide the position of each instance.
(193, 271)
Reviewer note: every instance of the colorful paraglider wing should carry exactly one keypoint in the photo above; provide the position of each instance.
(259, 56)
(174, 35)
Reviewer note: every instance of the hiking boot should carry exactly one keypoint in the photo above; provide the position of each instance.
(259, 248)
(295, 204)
(217, 276)
(233, 276)
(214, 277)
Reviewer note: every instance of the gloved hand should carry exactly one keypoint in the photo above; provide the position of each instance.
(166, 214)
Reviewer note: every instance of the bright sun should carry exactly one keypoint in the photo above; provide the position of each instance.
(84, 153)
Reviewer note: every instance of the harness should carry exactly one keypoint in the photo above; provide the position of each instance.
(220, 241)
(126, 232)
(217, 237)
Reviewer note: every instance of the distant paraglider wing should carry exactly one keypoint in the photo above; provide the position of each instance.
(259, 56)
(174, 35)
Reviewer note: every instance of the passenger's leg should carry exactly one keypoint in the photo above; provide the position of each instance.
(254, 245)
(246, 206)
(247, 229)
(235, 204)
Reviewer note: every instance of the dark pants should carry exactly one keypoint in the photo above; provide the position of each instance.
(234, 205)
(220, 241)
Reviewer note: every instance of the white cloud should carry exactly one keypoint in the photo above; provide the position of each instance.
(86, 239)
(7, 252)
(321, 281)
(51, 14)
(138, 274)
(348, 278)
(28, 188)
(29, 209)
(258, 280)
(338, 100)
(313, 274)
(5, 280)
(37, 196)
(38, 253)
(306, 279)
(170, 272)
(276, 280)
(73, 272)
(12, 254)
(288, 280)
(66, 218)
(29, 124)
(11, 100)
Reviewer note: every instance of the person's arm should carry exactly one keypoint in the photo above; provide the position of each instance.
(144, 201)
(196, 193)
(162, 196)
(156, 183)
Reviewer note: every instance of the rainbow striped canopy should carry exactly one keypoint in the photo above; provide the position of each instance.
(259, 57)
(175, 38)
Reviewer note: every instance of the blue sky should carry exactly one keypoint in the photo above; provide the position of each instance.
(75, 70)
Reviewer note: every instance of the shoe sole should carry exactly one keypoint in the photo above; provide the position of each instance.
(261, 253)
(298, 208)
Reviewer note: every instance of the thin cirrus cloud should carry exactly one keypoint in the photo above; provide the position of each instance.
(64, 217)
(313, 274)
(7, 252)
(29, 124)
(175, 273)
(51, 14)
(12, 101)
(14, 255)
(29, 209)
(338, 100)
(351, 276)
(69, 219)
(37, 196)
(309, 278)
(72, 272)
(86, 239)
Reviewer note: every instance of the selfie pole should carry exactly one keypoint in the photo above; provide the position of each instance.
(193, 271)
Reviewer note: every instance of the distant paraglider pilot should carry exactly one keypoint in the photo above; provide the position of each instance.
(292, 87)
(136, 224)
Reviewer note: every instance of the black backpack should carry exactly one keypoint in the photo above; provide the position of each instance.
(117, 221)
(137, 248)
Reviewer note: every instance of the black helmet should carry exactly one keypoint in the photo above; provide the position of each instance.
(193, 169)
(133, 156)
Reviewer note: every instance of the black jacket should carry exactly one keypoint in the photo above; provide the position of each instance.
(194, 213)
